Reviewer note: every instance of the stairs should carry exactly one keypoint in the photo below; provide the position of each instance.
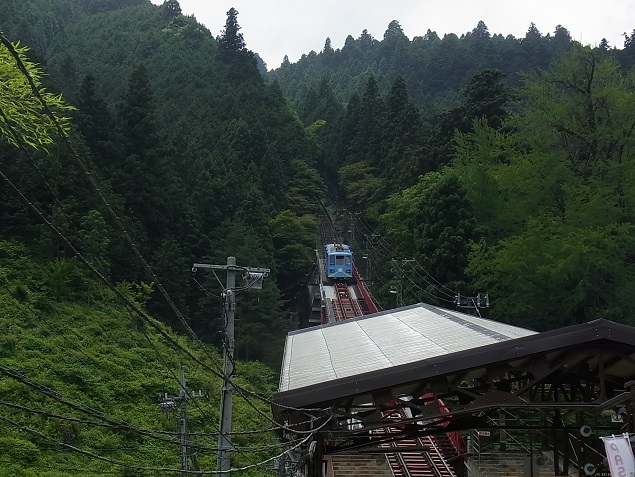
(445, 445)
(360, 465)
(430, 463)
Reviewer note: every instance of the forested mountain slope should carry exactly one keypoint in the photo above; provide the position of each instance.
(82, 376)
(435, 69)
(525, 194)
(468, 164)
(489, 164)
(196, 153)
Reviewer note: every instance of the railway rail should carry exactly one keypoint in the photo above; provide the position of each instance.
(418, 456)
(345, 299)
(342, 300)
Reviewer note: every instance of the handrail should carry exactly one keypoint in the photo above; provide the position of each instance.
(455, 436)
(474, 446)
(586, 445)
(520, 444)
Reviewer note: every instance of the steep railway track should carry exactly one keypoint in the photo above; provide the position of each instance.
(342, 300)
(345, 305)
(426, 459)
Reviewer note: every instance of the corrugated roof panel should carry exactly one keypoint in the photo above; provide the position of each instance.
(446, 334)
(366, 344)
(398, 341)
(352, 352)
(509, 330)
(309, 361)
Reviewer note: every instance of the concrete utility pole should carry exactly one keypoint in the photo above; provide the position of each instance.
(401, 275)
(169, 404)
(253, 280)
(351, 217)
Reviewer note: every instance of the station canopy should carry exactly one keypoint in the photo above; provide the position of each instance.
(351, 348)
(357, 370)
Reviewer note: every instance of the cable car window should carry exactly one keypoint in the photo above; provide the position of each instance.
(332, 260)
(339, 260)
(347, 260)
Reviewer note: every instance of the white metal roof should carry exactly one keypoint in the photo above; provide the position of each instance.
(382, 340)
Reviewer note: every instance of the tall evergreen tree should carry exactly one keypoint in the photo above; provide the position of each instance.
(403, 137)
(231, 39)
(96, 123)
(172, 8)
(484, 97)
(146, 177)
(367, 145)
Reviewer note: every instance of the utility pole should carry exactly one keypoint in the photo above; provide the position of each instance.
(351, 229)
(399, 290)
(369, 247)
(253, 280)
(169, 404)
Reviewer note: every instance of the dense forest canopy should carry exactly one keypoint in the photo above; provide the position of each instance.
(466, 165)
(435, 69)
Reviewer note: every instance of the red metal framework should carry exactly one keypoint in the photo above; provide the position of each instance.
(366, 302)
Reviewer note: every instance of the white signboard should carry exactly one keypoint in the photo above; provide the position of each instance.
(619, 453)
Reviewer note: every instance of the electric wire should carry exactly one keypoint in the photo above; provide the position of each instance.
(99, 194)
(18, 141)
(108, 422)
(74, 470)
(176, 442)
(121, 296)
(404, 273)
(452, 292)
(149, 468)
(205, 290)
(390, 250)
(115, 218)
(115, 426)
(131, 305)
(188, 396)
(73, 346)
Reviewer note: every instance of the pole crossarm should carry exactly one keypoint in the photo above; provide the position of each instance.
(231, 267)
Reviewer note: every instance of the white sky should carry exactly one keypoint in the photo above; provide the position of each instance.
(276, 28)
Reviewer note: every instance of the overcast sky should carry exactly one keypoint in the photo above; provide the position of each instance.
(275, 28)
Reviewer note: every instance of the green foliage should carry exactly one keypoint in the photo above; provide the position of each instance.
(231, 39)
(433, 222)
(91, 356)
(361, 182)
(556, 197)
(293, 241)
(23, 121)
(552, 275)
(18, 451)
(436, 69)
(138, 293)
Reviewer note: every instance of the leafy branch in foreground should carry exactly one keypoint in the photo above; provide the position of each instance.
(23, 119)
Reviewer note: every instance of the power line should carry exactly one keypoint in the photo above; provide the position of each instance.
(88, 176)
(115, 218)
(385, 246)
